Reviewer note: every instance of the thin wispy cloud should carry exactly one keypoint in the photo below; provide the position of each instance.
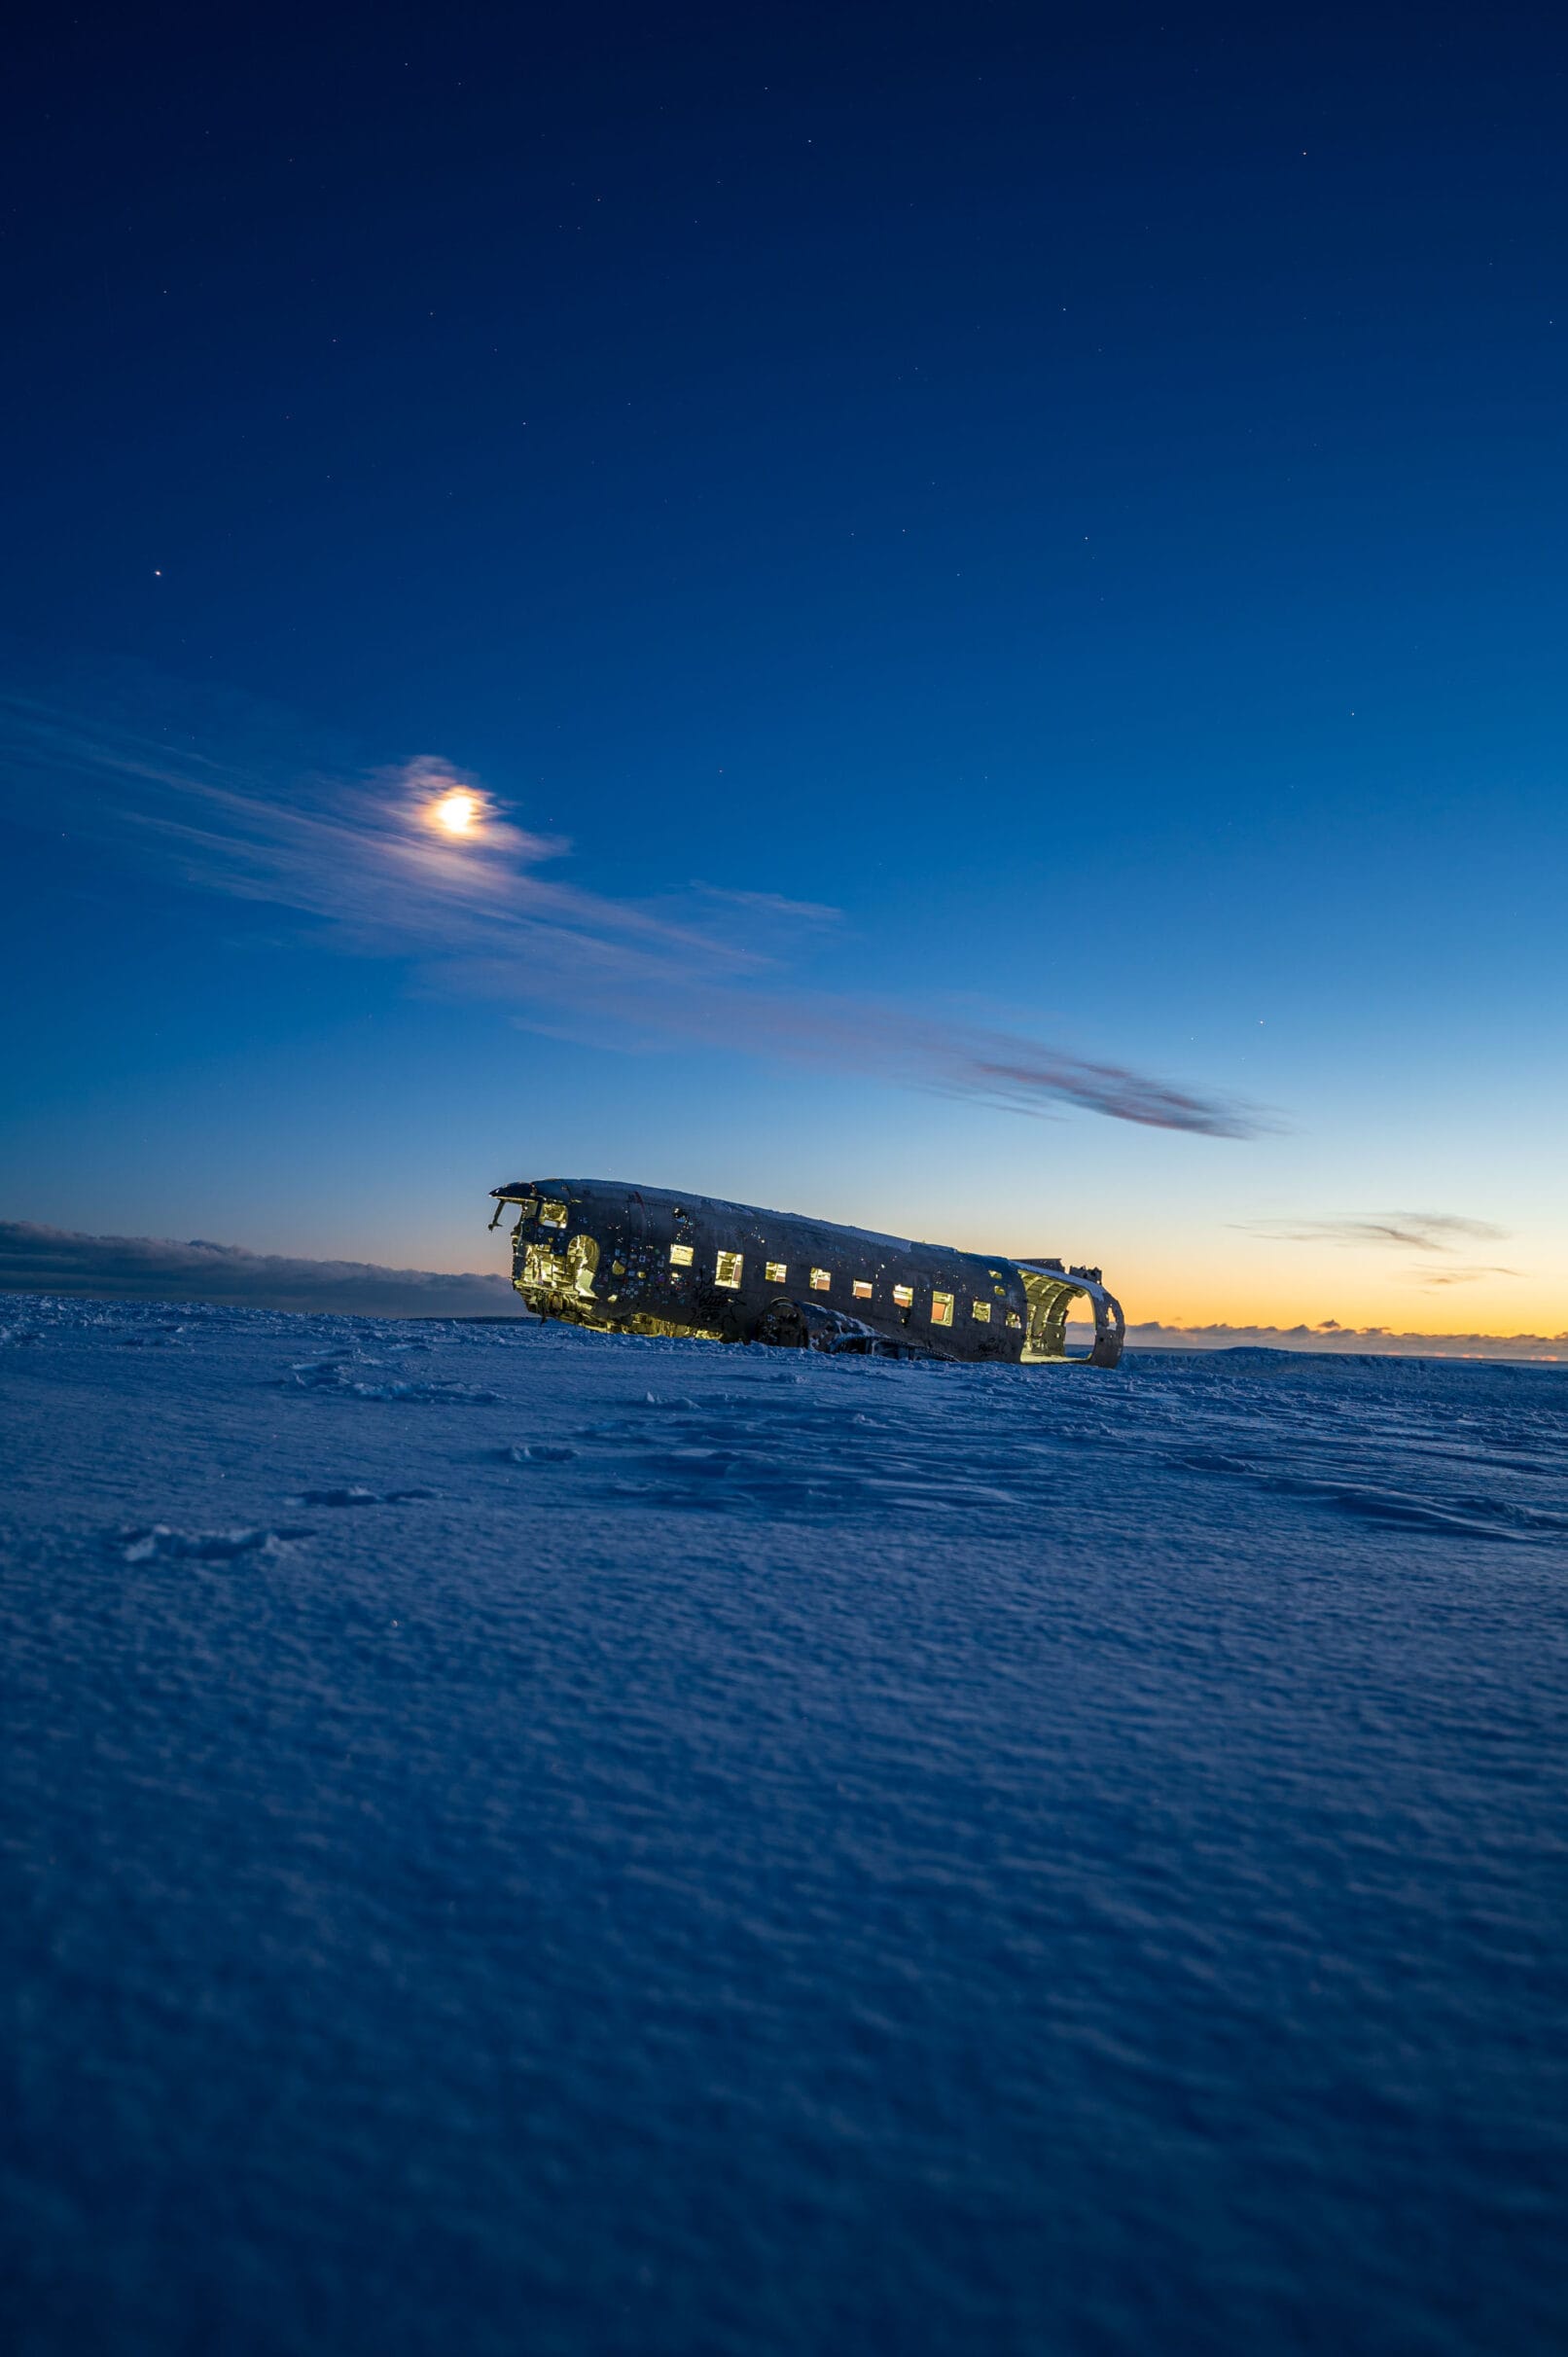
(773, 904)
(1464, 1274)
(421, 861)
(1413, 1230)
(1405, 1232)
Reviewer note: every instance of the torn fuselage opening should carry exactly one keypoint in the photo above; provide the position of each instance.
(1045, 1334)
(1050, 1293)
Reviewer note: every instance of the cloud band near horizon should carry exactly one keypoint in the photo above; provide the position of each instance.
(39, 1260)
(35, 1258)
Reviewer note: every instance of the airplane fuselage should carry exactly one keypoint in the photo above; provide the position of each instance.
(642, 1260)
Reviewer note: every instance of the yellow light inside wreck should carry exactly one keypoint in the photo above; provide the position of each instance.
(456, 813)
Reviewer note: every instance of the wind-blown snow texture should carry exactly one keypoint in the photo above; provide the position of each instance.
(517, 1841)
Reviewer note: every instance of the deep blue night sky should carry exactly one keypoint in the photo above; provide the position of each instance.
(1081, 498)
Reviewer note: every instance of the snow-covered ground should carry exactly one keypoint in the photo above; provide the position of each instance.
(516, 1839)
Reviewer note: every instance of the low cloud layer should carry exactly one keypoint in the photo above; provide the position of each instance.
(147, 1269)
(1379, 1340)
(216, 792)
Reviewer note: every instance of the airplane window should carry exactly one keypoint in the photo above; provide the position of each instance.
(680, 1256)
(1012, 1318)
(776, 1272)
(982, 1311)
(727, 1271)
(552, 1215)
(861, 1290)
(942, 1310)
(903, 1295)
(821, 1279)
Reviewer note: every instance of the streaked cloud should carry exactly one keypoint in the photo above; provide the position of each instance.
(218, 793)
(149, 1268)
(1411, 1231)
(1463, 1273)
(1405, 1232)
(773, 903)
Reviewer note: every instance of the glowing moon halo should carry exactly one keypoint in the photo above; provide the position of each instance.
(456, 813)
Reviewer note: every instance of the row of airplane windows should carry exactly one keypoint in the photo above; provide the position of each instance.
(729, 1268)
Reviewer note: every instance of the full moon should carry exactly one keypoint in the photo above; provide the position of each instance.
(456, 813)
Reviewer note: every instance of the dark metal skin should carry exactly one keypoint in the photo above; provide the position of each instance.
(602, 1254)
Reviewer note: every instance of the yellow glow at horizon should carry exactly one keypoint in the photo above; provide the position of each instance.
(456, 813)
(1200, 1273)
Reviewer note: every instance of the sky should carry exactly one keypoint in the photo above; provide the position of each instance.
(993, 578)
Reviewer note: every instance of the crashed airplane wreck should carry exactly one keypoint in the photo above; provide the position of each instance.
(639, 1260)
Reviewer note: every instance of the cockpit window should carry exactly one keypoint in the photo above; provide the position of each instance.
(727, 1270)
(551, 1215)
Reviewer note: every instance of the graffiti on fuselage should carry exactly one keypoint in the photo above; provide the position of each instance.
(646, 1261)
